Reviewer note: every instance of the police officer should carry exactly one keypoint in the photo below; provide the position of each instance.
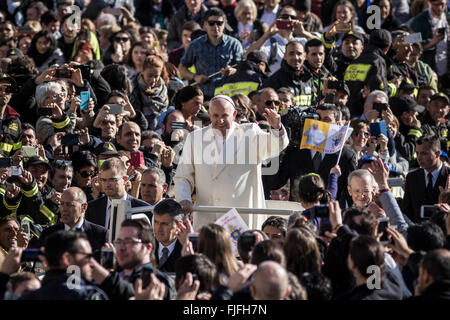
(368, 68)
(250, 75)
(434, 120)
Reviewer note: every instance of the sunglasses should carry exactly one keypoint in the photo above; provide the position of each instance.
(86, 174)
(363, 134)
(120, 39)
(275, 102)
(213, 22)
(286, 16)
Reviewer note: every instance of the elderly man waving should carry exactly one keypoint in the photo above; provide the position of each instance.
(223, 162)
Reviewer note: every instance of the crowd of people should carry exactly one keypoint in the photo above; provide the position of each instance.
(178, 104)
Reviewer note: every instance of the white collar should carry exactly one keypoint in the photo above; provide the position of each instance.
(79, 225)
(435, 172)
(125, 196)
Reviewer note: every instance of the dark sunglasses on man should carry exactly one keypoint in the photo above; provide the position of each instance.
(86, 174)
(286, 16)
(269, 102)
(121, 39)
(217, 22)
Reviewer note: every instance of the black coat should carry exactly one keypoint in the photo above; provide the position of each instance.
(298, 162)
(415, 192)
(437, 291)
(97, 235)
(96, 211)
(55, 287)
(169, 265)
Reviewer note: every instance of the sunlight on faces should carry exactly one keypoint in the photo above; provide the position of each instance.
(222, 115)
(112, 183)
(71, 208)
(165, 228)
(8, 234)
(130, 138)
(152, 190)
(361, 191)
(131, 255)
(295, 55)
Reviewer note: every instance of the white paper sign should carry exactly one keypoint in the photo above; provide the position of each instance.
(413, 38)
(234, 225)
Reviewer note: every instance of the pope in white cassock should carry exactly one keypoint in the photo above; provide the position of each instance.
(315, 136)
(223, 162)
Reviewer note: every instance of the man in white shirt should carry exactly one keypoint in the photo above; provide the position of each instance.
(167, 215)
(271, 8)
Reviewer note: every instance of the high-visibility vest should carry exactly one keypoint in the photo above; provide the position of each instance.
(230, 89)
(357, 72)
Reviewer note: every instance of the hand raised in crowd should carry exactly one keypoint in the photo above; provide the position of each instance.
(380, 172)
(55, 140)
(239, 280)
(332, 31)
(387, 116)
(128, 109)
(447, 185)
(4, 174)
(336, 170)
(154, 291)
(96, 188)
(443, 207)
(372, 144)
(245, 34)
(372, 115)
(46, 76)
(184, 227)
(273, 29)
(17, 158)
(77, 77)
(167, 157)
(12, 191)
(84, 136)
(382, 141)
(26, 178)
(74, 104)
(41, 151)
(22, 239)
(376, 210)
(189, 288)
(187, 248)
(437, 37)
(187, 206)
(56, 198)
(228, 71)
(398, 243)
(335, 215)
(57, 112)
(273, 118)
(11, 263)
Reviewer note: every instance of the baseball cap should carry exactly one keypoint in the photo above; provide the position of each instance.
(380, 38)
(440, 95)
(365, 159)
(257, 57)
(107, 149)
(404, 104)
(6, 77)
(13, 53)
(357, 35)
(32, 161)
(343, 87)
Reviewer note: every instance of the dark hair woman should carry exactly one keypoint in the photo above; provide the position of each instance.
(44, 52)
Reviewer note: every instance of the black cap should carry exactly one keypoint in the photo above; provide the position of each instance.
(14, 52)
(257, 57)
(343, 87)
(6, 77)
(107, 149)
(357, 35)
(380, 38)
(407, 84)
(35, 161)
(405, 103)
(440, 95)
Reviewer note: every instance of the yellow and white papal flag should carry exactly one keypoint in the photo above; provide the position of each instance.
(324, 137)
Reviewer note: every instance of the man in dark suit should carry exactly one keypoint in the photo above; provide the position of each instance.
(422, 185)
(297, 162)
(112, 178)
(73, 205)
(167, 214)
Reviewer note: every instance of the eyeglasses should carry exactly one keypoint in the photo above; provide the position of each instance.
(286, 16)
(269, 102)
(363, 134)
(63, 163)
(121, 39)
(113, 180)
(213, 22)
(86, 174)
(126, 242)
(87, 255)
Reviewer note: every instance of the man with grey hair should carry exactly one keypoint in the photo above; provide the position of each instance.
(270, 282)
(153, 185)
(266, 98)
(167, 214)
(50, 95)
(370, 114)
(72, 207)
(361, 187)
(223, 162)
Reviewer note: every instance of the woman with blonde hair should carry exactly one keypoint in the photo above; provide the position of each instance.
(246, 14)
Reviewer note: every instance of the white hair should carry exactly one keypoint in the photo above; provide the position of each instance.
(221, 96)
(379, 92)
(43, 89)
(362, 174)
(106, 19)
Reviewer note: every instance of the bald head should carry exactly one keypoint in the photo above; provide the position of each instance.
(266, 95)
(270, 282)
(76, 194)
(222, 113)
